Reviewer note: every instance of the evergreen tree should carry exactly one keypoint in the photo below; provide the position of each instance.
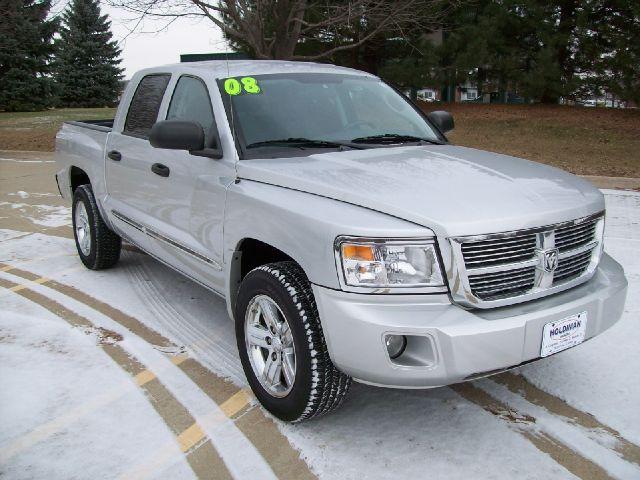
(608, 54)
(412, 65)
(87, 58)
(25, 53)
(525, 47)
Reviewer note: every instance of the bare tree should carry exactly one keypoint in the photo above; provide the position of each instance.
(272, 29)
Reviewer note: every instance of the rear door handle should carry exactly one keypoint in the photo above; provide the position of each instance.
(160, 169)
(114, 155)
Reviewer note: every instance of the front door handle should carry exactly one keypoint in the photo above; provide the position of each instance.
(160, 169)
(115, 155)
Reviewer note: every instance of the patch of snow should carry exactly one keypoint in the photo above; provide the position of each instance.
(240, 456)
(6, 234)
(50, 371)
(23, 194)
(49, 216)
(20, 160)
(198, 320)
(44, 215)
(381, 434)
(580, 439)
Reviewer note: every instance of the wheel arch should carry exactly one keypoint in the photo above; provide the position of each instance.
(77, 177)
(248, 254)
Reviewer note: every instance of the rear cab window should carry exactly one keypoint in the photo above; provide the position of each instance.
(145, 105)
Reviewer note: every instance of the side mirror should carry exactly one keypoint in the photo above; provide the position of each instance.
(177, 135)
(443, 120)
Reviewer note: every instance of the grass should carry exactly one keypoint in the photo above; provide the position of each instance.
(37, 130)
(586, 141)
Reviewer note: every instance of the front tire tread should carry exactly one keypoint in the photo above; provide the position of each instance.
(329, 385)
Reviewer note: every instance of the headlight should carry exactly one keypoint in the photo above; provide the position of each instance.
(380, 263)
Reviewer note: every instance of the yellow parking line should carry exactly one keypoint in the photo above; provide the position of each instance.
(22, 286)
(146, 376)
(236, 402)
(37, 281)
(178, 359)
(190, 437)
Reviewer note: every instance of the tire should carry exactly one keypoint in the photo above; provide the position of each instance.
(101, 248)
(319, 387)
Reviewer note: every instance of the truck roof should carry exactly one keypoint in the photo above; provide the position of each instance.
(234, 68)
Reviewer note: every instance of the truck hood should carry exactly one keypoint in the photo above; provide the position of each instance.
(452, 190)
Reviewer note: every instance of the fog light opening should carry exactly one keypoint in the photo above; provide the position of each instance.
(396, 344)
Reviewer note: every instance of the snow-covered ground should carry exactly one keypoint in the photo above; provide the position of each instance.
(51, 374)
(605, 372)
(54, 369)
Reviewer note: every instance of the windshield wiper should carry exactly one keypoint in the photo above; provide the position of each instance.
(392, 138)
(302, 143)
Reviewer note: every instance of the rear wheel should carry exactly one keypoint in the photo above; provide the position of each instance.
(282, 347)
(97, 245)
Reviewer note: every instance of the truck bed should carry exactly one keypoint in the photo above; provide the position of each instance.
(82, 144)
(100, 125)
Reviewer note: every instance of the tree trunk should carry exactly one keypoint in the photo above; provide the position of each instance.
(289, 17)
(566, 26)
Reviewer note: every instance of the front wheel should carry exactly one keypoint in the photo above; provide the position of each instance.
(98, 246)
(282, 347)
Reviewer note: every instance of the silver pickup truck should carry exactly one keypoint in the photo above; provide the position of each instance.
(349, 238)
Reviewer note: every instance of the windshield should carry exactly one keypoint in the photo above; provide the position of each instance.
(312, 110)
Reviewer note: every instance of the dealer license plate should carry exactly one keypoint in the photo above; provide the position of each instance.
(563, 334)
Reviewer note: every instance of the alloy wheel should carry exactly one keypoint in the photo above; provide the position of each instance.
(83, 230)
(270, 348)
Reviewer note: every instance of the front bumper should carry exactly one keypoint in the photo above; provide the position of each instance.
(455, 344)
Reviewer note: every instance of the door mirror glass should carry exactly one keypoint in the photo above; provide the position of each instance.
(177, 135)
(443, 120)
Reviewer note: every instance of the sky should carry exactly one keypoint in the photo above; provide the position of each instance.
(148, 47)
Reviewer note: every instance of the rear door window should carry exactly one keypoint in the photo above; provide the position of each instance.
(191, 102)
(144, 107)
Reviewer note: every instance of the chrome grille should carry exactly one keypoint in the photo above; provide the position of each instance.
(511, 282)
(574, 236)
(496, 252)
(571, 267)
(500, 269)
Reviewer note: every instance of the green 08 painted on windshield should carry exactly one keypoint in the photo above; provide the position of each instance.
(234, 86)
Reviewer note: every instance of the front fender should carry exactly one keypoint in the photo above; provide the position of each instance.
(303, 225)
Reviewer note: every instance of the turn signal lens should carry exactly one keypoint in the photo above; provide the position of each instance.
(357, 252)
